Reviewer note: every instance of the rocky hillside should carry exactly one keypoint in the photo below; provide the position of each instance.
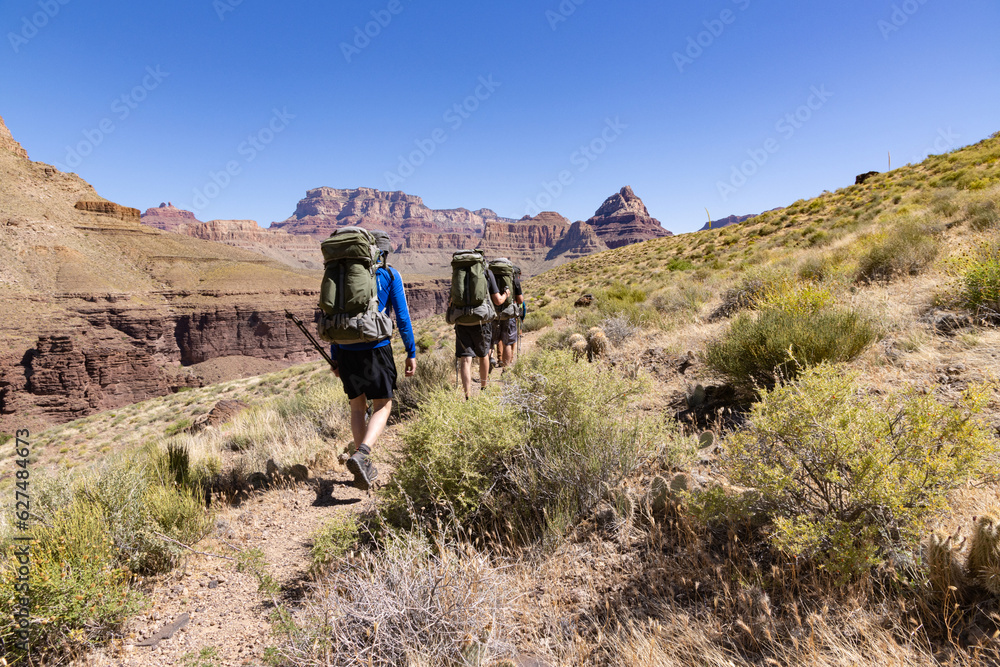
(8, 143)
(100, 311)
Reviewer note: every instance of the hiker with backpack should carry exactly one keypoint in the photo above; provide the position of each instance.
(359, 293)
(508, 279)
(472, 308)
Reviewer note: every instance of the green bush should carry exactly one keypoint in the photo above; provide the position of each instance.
(425, 342)
(980, 280)
(536, 321)
(333, 540)
(450, 457)
(177, 427)
(526, 461)
(791, 330)
(845, 477)
(79, 592)
(983, 215)
(905, 248)
(434, 372)
(138, 502)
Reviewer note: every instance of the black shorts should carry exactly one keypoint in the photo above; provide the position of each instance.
(368, 372)
(505, 331)
(472, 340)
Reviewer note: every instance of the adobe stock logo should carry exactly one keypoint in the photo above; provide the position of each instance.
(698, 44)
(900, 16)
(248, 149)
(31, 25)
(381, 19)
(581, 158)
(787, 126)
(455, 116)
(122, 107)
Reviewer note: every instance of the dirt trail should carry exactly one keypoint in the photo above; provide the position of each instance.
(227, 620)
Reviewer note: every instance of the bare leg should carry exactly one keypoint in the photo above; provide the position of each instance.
(465, 370)
(381, 409)
(484, 371)
(508, 355)
(359, 410)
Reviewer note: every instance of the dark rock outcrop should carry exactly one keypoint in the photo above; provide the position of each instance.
(861, 178)
(125, 213)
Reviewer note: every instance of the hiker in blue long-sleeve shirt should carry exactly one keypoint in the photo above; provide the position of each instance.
(368, 371)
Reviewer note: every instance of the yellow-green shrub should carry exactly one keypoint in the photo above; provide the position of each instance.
(526, 459)
(793, 329)
(79, 592)
(536, 321)
(844, 476)
(906, 247)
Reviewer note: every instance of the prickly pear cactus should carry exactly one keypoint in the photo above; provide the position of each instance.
(706, 440)
(658, 496)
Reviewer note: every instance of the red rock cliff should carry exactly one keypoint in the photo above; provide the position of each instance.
(623, 219)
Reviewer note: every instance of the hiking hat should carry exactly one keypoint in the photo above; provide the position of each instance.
(382, 240)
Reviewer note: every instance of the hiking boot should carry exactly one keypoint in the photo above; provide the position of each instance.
(363, 469)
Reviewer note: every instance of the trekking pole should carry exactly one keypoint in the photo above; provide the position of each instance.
(312, 339)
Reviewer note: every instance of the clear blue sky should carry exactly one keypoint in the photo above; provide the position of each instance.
(200, 77)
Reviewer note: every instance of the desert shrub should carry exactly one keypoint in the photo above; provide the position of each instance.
(79, 591)
(177, 427)
(450, 456)
(980, 280)
(845, 477)
(536, 321)
(679, 299)
(906, 248)
(580, 438)
(333, 540)
(560, 310)
(619, 329)
(792, 330)
(136, 506)
(429, 606)
(425, 342)
(555, 339)
(678, 264)
(983, 215)
(524, 461)
(944, 203)
(754, 287)
(434, 372)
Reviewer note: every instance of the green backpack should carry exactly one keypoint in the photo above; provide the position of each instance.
(504, 271)
(348, 296)
(470, 298)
